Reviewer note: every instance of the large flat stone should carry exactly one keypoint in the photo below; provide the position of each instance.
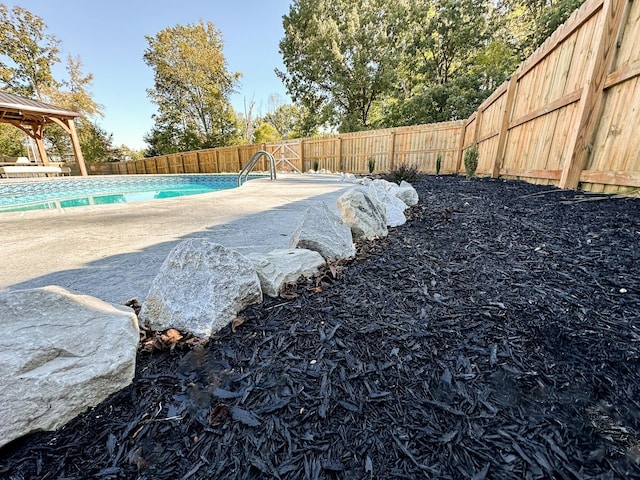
(279, 267)
(200, 288)
(60, 353)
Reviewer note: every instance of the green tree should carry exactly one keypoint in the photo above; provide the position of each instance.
(288, 120)
(27, 53)
(191, 89)
(340, 58)
(11, 141)
(125, 154)
(266, 133)
(96, 143)
(443, 74)
(531, 22)
(74, 94)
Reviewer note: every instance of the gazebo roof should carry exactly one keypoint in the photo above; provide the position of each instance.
(14, 108)
(31, 116)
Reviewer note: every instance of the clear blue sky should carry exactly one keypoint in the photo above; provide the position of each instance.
(109, 38)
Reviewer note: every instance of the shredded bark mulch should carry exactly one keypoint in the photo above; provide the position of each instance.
(496, 335)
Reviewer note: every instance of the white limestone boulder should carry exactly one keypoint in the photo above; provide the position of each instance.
(387, 185)
(349, 178)
(322, 231)
(407, 193)
(282, 266)
(200, 288)
(394, 207)
(365, 215)
(60, 353)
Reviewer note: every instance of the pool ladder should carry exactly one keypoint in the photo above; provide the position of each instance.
(255, 158)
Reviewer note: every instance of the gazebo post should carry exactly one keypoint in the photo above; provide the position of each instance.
(37, 136)
(75, 143)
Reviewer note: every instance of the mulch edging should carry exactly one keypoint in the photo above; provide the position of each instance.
(496, 335)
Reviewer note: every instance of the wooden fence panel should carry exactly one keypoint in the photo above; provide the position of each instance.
(323, 151)
(228, 160)
(549, 83)
(190, 162)
(287, 154)
(357, 150)
(614, 163)
(150, 166)
(421, 147)
(207, 161)
(162, 164)
(245, 153)
(486, 129)
(139, 167)
(175, 163)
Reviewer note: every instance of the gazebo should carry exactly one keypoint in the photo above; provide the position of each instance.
(32, 116)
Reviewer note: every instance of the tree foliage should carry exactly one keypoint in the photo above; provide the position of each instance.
(531, 22)
(380, 63)
(191, 89)
(441, 78)
(266, 133)
(11, 141)
(27, 53)
(340, 57)
(27, 57)
(75, 94)
(288, 119)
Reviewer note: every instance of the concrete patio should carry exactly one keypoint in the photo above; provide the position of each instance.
(113, 252)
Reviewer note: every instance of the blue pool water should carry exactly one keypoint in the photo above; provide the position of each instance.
(77, 192)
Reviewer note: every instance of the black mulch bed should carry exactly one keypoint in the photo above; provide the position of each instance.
(496, 335)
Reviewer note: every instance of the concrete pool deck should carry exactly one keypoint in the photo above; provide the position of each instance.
(113, 252)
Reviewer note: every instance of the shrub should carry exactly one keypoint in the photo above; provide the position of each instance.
(406, 172)
(372, 164)
(438, 163)
(471, 160)
(315, 165)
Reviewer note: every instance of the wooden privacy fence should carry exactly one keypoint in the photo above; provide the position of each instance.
(416, 145)
(568, 116)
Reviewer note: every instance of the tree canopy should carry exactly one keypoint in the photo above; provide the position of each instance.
(340, 57)
(27, 56)
(27, 53)
(359, 64)
(192, 87)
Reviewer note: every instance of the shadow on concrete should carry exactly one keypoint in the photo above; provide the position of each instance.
(118, 278)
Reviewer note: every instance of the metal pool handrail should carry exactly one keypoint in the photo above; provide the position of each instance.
(255, 158)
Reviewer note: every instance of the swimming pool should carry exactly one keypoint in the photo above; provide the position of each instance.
(77, 192)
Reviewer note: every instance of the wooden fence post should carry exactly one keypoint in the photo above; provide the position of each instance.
(504, 127)
(588, 111)
(392, 151)
(340, 166)
(239, 159)
(463, 133)
(302, 169)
